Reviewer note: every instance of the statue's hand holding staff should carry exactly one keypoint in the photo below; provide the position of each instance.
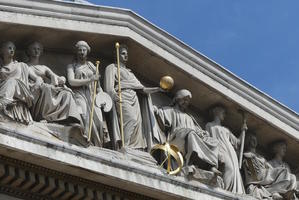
(242, 137)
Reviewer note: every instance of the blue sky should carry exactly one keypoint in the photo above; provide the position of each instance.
(258, 40)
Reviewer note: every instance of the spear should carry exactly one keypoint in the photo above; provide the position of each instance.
(244, 117)
(93, 101)
(120, 99)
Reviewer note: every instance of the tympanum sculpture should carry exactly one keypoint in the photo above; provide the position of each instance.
(198, 149)
(81, 76)
(15, 95)
(53, 101)
(137, 113)
(228, 144)
(279, 149)
(262, 180)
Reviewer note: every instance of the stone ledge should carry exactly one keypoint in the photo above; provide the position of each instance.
(102, 166)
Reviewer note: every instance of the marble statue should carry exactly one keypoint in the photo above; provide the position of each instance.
(81, 76)
(197, 148)
(138, 117)
(15, 95)
(279, 149)
(228, 144)
(262, 180)
(53, 101)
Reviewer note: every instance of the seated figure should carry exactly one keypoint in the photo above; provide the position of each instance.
(15, 95)
(262, 180)
(279, 149)
(53, 101)
(197, 148)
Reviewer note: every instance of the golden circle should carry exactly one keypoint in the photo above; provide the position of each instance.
(166, 82)
(172, 153)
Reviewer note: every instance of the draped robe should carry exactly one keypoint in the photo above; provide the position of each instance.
(15, 95)
(53, 103)
(262, 180)
(227, 141)
(188, 136)
(140, 128)
(83, 96)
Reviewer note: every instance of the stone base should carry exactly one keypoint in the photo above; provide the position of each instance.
(203, 176)
(51, 160)
(141, 157)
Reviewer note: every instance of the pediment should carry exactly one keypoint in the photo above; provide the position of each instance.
(153, 53)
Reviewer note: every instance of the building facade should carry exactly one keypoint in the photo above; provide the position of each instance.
(47, 160)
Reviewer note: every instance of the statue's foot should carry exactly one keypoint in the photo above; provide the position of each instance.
(43, 121)
(216, 171)
(276, 196)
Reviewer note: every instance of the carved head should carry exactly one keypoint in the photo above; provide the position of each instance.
(35, 49)
(8, 49)
(218, 111)
(82, 49)
(279, 148)
(251, 140)
(182, 98)
(123, 53)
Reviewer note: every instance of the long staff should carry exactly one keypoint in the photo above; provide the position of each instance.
(242, 138)
(120, 99)
(93, 101)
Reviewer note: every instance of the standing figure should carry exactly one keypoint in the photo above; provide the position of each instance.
(184, 132)
(81, 75)
(53, 101)
(228, 144)
(15, 95)
(262, 180)
(137, 121)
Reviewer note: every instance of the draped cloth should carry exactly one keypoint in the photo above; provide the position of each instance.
(275, 164)
(188, 136)
(262, 180)
(138, 121)
(83, 97)
(15, 95)
(227, 141)
(53, 103)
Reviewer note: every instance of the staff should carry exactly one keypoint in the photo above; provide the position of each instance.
(244, 128)
(93, 101)
(120, 99)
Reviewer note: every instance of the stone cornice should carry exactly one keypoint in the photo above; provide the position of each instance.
(55, 158)
(30, 181)
(215, 75)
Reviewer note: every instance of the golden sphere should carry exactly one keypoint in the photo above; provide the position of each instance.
(166, 82)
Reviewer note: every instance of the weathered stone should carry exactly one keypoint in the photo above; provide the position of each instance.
(103, 172)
